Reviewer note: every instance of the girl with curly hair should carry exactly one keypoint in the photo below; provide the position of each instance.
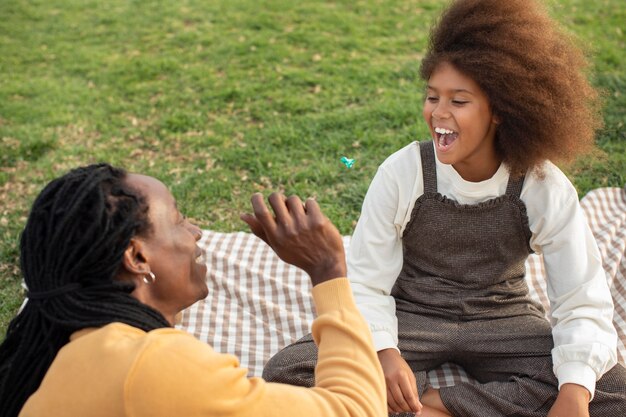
(437, 260)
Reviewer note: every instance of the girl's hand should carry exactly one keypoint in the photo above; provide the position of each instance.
(402, 393)
(573, 400)
(300, 235)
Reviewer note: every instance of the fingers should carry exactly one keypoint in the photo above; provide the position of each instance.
(262, 223)
(411, 396)
(402, 398)
(279, 205)
(392, 404)
(402, 393)
(296, 210)
(408, 386)
(299, 234)
(313, 209)
(255, 226)
(287, 211)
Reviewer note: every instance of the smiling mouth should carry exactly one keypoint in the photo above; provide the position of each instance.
(445, 137)
(201, 257)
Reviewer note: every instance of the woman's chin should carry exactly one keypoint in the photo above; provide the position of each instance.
(204, 292)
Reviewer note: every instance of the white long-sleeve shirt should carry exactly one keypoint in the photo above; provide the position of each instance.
(585, 339)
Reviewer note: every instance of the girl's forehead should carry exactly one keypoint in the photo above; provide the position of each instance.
(447, 77)
(447, 72)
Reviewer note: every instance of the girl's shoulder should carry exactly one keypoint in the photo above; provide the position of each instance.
(408, 155)
(403, 164)
(549, 178)
(548, 188)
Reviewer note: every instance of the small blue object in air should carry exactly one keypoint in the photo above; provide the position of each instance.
(347, 161)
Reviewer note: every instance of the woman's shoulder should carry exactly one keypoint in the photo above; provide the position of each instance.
(121, 340)
(123, 337)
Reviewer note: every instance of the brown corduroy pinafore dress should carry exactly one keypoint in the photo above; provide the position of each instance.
(461, 297)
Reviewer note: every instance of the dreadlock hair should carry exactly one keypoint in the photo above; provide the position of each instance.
(71, 249)
(532, 73)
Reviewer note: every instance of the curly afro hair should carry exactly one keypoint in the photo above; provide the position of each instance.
(532, 72)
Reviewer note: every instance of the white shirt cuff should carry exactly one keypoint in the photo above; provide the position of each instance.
(577, 373)
(383, 340)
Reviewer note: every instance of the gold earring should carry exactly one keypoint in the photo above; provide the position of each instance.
(152, 278)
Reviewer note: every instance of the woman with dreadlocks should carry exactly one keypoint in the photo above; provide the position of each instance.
(109, 262)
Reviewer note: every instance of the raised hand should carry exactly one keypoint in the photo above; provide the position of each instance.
(300, 234)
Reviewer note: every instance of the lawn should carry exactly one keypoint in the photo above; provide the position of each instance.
(220, 99)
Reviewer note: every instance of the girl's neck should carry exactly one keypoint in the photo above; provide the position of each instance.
(477, 171)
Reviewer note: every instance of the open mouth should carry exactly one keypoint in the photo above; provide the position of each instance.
(445, 137)
(201, 257)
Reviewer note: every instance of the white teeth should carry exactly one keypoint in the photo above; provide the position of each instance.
(201, 258)
(443, 131)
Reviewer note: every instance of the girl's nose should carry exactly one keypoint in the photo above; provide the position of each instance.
(440, 112)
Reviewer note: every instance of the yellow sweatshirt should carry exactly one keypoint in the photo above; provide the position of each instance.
(119, 370)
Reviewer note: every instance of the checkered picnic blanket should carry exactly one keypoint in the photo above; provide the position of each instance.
(257, 304)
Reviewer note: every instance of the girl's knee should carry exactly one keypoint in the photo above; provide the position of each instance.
(294, 365)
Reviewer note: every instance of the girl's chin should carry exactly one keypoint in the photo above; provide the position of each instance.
(445, 156)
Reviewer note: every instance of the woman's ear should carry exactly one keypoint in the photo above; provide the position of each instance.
(135, 268)
(495, 119)
(134, 260)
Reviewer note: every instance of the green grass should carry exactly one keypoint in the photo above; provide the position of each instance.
(221, 99)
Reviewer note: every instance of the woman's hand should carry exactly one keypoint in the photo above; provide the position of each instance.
(402, 393)
(300, 234)
(572, 401)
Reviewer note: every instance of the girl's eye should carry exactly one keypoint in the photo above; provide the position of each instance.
(432, 99)
(459, 102)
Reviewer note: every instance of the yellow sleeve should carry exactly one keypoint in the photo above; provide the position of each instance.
(178, 375)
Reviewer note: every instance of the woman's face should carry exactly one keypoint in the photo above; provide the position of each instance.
(170, 251)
